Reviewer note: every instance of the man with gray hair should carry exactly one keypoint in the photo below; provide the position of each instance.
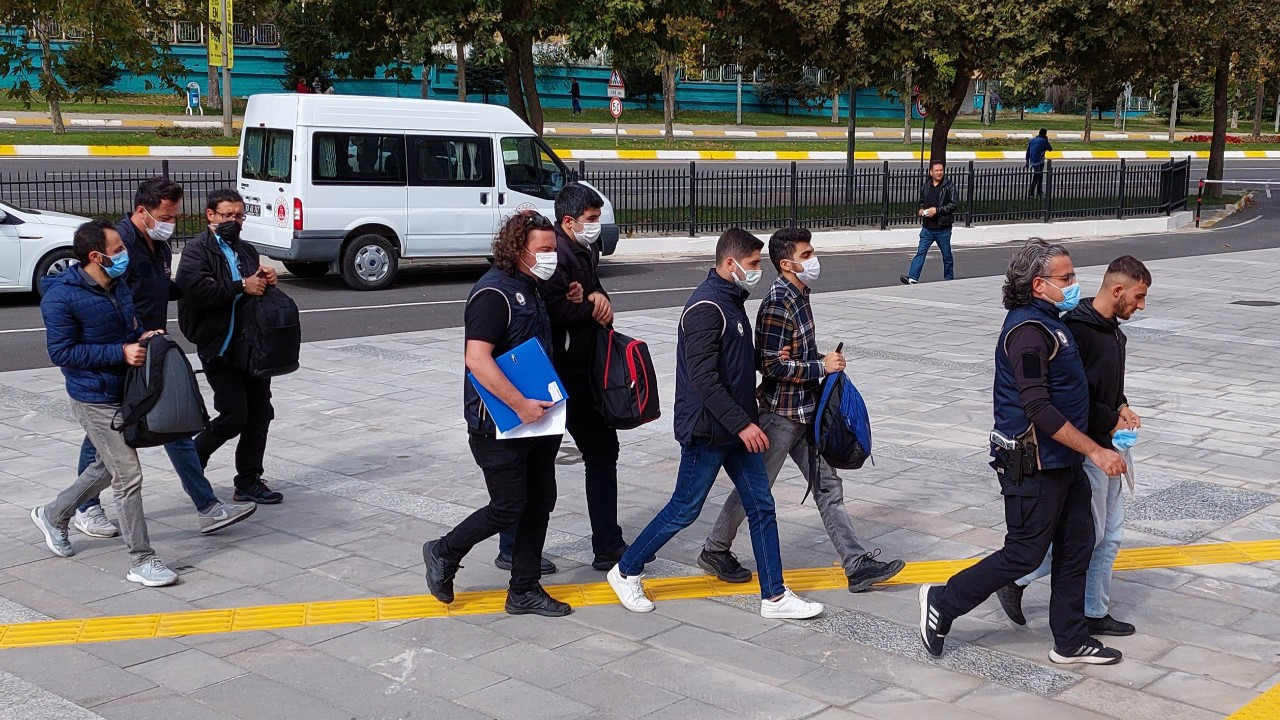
(1039, 444)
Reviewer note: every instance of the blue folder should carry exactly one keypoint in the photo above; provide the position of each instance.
(529, 369)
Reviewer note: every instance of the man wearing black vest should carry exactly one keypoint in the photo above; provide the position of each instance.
(1042, 401)
(716, 419)
(580, 310)
(504, 311)
(216, 271)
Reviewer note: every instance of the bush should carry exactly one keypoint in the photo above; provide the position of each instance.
(188, 133)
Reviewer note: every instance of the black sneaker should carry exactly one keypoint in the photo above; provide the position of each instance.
(536, 602)
(1108, 625)
(503, 562)
(871, 571)
(440, 572)
(906, 280)
(725, 566)
(258, 493)
(1010, 597)
(604, 562)
(1090, 653)
(934, 626)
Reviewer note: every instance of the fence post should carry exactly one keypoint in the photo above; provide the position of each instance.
(164, 168)
(693, 199)
(1120, 204)
(884, 196)
(1199, 201)
(1048, 190)
(795, 200)
(968, 197)
(582, 169)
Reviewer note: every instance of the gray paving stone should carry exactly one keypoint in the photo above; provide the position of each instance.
(1223, 667)
(1102, 697)
(688, 708)
(601, 648)
(252, 696)
(21, 700)
(158, 704)
(1201, 692)
(187, 671)
(738, 656)
(535, 665)
(513, 699)
(619, 695)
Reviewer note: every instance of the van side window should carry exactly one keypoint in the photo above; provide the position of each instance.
(450, 161)
(358, 159)
(532, 168)
(268, 155)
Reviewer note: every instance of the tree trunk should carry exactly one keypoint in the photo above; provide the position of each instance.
(1218, 146)
(49, 82)
(942, 121)
(669, 63)
(1257, 107)
(213, 88)
(460, 49)
(1119, 109)
(529, 81)
(1088, 116)
(511, 74)
(835, 107)
(906, 109)
(424, 87)
(1235, 119)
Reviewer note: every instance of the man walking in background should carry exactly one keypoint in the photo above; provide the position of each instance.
(1036, 151)
(937, 213)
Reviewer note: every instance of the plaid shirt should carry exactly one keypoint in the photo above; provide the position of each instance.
(790, 388)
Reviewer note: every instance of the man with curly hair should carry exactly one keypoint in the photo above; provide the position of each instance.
(504, 311)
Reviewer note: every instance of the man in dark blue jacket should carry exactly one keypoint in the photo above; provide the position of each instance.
(94, 334)
(145, 234)
(715, 423)
(1036, 151)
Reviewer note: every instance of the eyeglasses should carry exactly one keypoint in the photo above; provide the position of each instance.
(230, 216)
(1068, 278)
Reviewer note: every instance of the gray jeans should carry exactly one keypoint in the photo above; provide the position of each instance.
(117, 466)
(787, 437)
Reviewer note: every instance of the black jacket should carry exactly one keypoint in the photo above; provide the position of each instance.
(208, 293)
(150, 265)
(1102, 350)
(944, 200)
(715, 365)
(573, 330)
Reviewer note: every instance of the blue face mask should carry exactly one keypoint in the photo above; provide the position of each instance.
(117, 264)
(1070, 297)
(1124, 439)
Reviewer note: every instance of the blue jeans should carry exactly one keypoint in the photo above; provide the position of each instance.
(700, 462)
(929, 236)
(182, 453)
(1108, 525)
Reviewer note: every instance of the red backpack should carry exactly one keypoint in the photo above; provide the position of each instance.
(623, 381)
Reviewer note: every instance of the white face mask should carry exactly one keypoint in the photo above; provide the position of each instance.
(812, 269)
(162, 231)
(544, 265)
(752, 277)
(589, 233)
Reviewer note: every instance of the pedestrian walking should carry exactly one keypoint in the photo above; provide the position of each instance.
(580, 311)
(145, 233)
(1041, 416)
(937, 214)
(1095, 324)
(94, 335)
(575, 92)
(1036, 151)
(218, 269)
(716, 424)
(504, 311)
(788, 399)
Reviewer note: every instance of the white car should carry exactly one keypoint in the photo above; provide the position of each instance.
(34, 243)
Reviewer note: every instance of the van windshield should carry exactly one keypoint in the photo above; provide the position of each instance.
(532, 168)
(268, 155)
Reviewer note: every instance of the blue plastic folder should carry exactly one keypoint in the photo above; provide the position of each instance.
(529, 369)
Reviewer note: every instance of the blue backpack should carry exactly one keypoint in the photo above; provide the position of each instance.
(841, 427)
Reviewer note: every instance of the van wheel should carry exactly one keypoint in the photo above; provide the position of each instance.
(369, 263)
(52, 264)
(307, 270)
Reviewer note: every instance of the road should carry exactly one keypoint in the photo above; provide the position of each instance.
(432, 298)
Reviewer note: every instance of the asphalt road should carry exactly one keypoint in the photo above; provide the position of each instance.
(432, 298)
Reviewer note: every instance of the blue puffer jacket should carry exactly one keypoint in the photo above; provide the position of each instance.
(87, 328)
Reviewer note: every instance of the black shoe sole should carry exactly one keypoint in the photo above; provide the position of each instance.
(736, 580)
(1111, 633)
(544, 612)
(503, 564)
(427, 560)
(237, 497)
(890, 572)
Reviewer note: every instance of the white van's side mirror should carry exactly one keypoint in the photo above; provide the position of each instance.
(3, 216)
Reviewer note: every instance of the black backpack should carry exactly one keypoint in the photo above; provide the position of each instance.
(623, 381)
(270, 335)
(162, 401)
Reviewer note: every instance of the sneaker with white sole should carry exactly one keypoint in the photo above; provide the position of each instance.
(630, 591)
(789, 607)
(223, 515)
(1091, 652)
(94, 523)
(152, 573)
(55, 538)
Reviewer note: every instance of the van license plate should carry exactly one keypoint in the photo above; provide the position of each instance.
(253, 209)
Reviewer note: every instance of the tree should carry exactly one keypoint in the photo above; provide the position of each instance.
(306, 44)
(115, 39)
(484, 69)
(640, 72)
(785, 85)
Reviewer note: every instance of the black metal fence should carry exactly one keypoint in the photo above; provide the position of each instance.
(688, 199)
(693, 200)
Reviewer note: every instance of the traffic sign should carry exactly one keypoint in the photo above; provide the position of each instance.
(921, 110)
(617, 88)
(220, 36)
(615, 107)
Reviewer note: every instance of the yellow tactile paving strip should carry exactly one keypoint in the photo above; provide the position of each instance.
(1264, 707)
(413, 607)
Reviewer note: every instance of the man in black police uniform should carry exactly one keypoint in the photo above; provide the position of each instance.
(1042, 401)
(504, 311)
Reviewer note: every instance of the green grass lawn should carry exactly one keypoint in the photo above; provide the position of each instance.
(122, 105)
(92, 137)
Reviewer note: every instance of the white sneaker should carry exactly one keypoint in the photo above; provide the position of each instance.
(224, 515)
(152, 573)
(94, 523)
(789, 607)
(630, 591)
